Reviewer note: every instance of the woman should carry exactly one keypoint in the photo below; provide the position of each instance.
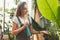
(17, 28)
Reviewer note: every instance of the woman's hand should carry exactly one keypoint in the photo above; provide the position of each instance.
(26, 24)
(45, 32)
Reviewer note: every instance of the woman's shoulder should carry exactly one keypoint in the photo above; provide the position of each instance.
(30, 18)
(15, 19)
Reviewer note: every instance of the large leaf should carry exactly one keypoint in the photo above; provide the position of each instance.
(58, 15)
(48, 9)
(53, 5)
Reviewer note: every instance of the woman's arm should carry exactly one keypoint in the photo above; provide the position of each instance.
(16, 31)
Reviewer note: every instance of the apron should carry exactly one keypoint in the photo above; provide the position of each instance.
(22, 35)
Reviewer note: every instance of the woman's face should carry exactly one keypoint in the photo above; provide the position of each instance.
(25, 9)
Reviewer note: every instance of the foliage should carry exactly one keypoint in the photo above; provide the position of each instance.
(50, 9)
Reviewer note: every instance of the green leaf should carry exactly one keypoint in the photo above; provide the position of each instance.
(48, 9)
(58, 14)
(53, 5)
